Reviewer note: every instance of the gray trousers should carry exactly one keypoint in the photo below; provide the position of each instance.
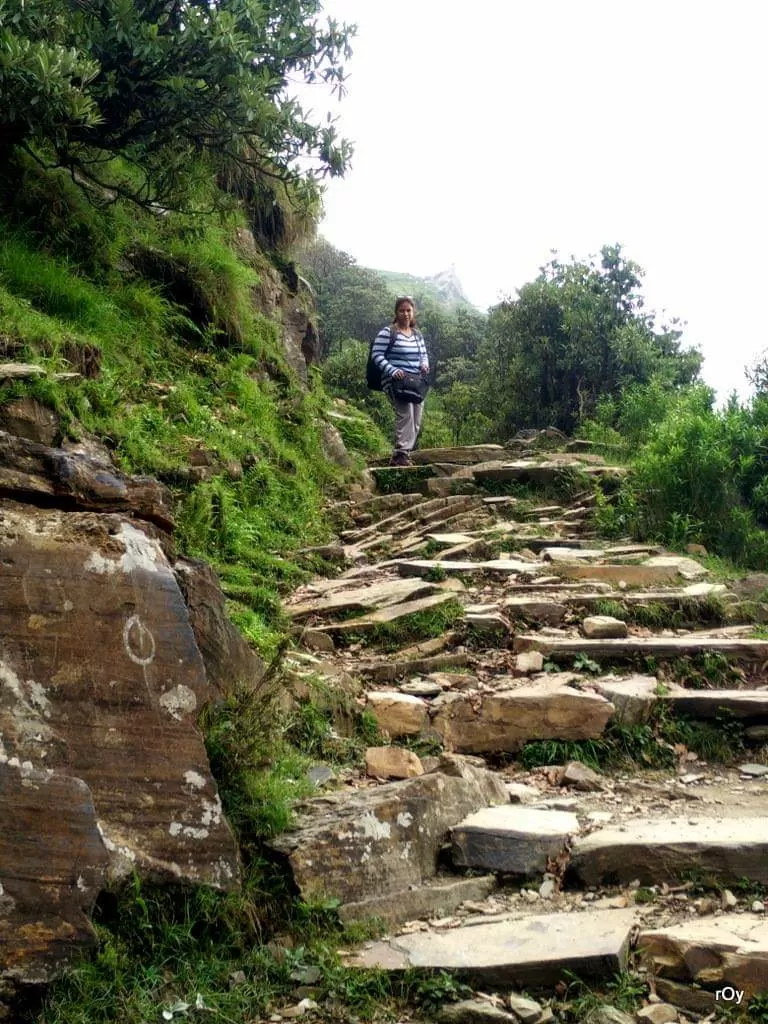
(407, 423)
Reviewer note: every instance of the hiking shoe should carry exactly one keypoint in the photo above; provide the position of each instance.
(400, 459)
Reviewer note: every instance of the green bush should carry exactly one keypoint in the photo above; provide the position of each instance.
(700, 478)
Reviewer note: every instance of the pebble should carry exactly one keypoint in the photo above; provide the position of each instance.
(755, 771)
(758, 907)
(727, 900)
(547, 889)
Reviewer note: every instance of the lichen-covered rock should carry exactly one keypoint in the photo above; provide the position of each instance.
(391, 834)
(101, 683)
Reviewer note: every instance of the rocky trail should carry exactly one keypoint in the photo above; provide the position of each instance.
(514, 864)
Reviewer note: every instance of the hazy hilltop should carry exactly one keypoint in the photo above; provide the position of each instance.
(445, 288)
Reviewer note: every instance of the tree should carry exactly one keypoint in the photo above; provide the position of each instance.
(577, 333)
(352, 302)
(168, 85)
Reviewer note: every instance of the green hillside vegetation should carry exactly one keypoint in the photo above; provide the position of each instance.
(577, 350)
(139, 144)
(430, 288)
(127, 256)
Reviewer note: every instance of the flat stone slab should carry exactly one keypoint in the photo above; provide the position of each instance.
(544, 472)
(694, 593)
(20, 371)
(450, 540)
(713, 952)
(661, 647)
(389, 671)
(465, 456)
(576, 554)
(375, 595)
(688, 568)
(506, 566)
(618, 572)
(433, 899)
(515, 840)
(664, 850)
(544, 708)
(390, 613)
(528, 951)
(708, 704)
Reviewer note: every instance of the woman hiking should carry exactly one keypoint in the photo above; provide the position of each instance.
(401, 355)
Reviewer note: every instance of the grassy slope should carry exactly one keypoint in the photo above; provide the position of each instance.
(172, 382)
(169, 386)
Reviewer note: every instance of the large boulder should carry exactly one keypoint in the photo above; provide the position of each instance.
(101, 763)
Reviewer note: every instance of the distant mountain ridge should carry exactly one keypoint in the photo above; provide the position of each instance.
(444, 287)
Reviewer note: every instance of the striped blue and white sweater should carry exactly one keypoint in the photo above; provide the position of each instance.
(406, 353)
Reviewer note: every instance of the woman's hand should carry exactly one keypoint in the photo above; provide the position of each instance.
(425, 368)
(398, 374)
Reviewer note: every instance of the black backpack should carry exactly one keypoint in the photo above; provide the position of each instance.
(372, 371)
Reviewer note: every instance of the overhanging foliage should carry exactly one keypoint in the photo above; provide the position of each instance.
(168, 85)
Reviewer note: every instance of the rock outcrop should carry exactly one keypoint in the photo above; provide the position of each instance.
(103, 771)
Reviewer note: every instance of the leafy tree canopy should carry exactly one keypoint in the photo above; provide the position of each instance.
(577, 333)
(166, 85)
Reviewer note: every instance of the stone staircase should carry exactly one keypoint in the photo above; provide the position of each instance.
(548, 635)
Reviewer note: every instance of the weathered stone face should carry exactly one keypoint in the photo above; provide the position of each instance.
(544, 708)
(228, 658)
(366, 844)
(78, 476)
(101, 683)
(52, 865)
(729, 950)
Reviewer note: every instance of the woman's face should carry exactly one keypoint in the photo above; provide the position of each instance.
(405, 313)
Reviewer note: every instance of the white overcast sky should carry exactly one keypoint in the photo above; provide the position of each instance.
(488, 133)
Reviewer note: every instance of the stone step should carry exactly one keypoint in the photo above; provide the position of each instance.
(745, 705)
(545, 708)
(435, 898)
(712, 953)
(537, 544)
(531, 951)
(422, 512)
(397, 668)
(513, 840)
(659, 647)
(380, 504)
(464, 456)
(458, 567)
(390, 613)
(359, 845)
(377, 594)
(669, 850)
(618, 573)
(672, 597)
(542, 473)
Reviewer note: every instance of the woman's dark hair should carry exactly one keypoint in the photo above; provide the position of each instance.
(398, 303)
